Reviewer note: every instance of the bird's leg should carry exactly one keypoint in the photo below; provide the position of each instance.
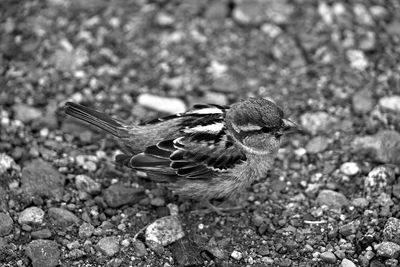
(218, 210)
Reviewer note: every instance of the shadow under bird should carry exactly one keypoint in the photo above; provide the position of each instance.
(207, 152)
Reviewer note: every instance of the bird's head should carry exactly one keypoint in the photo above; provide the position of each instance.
(258, 125)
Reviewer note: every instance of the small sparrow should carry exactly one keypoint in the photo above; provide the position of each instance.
(207, 152)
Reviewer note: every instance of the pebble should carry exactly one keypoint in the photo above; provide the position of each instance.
(379, 178)
(86, 230)
(391, 231)
(226, 84)
(139, 249)
(6, 163)
(388, 249)
(237, 255)
(357, 59)
(332, 199)
(86, 184)
(347, 263)
(391, 103)
(31, 215)
(27, 113)
(363, 102)
(350, 168)
(164, 231)
(360, 202)
(317, 144)
(41, 234)
(43, 253)
(6, 224)
(62, 217)
(350, 228)
(328, 257)
(385, 144)
(217, 10)
(108, 245)
(40, 178)
(158, 202)
(317, 121)
(119, 194)
(162, 104)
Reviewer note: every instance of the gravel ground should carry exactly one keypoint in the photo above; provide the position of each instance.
(333, 198)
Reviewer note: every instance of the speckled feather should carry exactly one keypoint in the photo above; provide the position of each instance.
(209, 151)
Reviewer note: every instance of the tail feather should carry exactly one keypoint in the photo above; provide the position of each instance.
(96, 118)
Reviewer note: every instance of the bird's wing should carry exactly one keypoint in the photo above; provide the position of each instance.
(201, 151)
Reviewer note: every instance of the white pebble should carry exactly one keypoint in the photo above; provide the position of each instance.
(237, 255)
(350, 168)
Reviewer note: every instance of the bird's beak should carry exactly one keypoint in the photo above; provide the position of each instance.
(291, 127)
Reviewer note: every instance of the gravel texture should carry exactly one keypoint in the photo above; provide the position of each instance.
(332, 198)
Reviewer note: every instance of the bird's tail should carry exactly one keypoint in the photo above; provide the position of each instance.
(96, 118)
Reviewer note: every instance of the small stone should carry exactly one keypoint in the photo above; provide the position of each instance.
(317, 144)
(357, 59)
(391, 231)
(73, 245)
(164, 231)
(108, 245)
(32, 215)
(350, 168)
(391, 103)
(347, 263)
(41, 234)
(388, 249)
(6, 224)
(360, 202)
(118, 194)
(27, 113)
(237, 255)
(161, 104)
(350, 228)
(6, 163)
(39, 178)
(332, 199)
(363, 102)
(158, 202)
(379, 178)
(139, 249)
(226, 84)
(86, 184)
(328, 257)
(217, 10)
(43, 253)
(86, 230)
(62, 217)
(317, 121)
(164, 19)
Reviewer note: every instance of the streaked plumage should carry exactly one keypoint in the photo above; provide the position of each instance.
(209, 151)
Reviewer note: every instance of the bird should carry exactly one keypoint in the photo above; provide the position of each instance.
(208, 152)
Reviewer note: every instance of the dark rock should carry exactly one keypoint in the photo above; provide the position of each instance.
(6, 224)
(350, 228)
(43, 253)
(41, 234)
(62, 217)
(41, 178)
(118, 194)
(186, 253)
